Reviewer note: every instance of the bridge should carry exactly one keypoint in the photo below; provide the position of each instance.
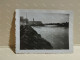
(58, 24)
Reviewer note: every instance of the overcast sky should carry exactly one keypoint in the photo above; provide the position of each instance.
(46, 17)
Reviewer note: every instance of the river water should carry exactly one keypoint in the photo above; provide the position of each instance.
(58, 37)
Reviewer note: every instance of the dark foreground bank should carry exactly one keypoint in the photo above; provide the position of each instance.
(30, 39)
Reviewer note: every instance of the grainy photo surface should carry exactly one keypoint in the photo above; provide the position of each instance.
(44, 30)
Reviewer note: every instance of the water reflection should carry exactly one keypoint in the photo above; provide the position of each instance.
(57, 36)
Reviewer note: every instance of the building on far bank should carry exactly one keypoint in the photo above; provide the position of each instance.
(23, 21)
(31, 23)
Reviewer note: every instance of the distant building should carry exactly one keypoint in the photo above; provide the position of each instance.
(23, 21)
(32, 23)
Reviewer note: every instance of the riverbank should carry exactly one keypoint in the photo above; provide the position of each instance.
(30, 39)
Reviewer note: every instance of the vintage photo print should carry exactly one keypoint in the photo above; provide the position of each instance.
(44, 31)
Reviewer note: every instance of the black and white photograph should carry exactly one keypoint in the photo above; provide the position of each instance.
(43, 31)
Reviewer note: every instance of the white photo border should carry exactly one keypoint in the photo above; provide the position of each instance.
(17, 33)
